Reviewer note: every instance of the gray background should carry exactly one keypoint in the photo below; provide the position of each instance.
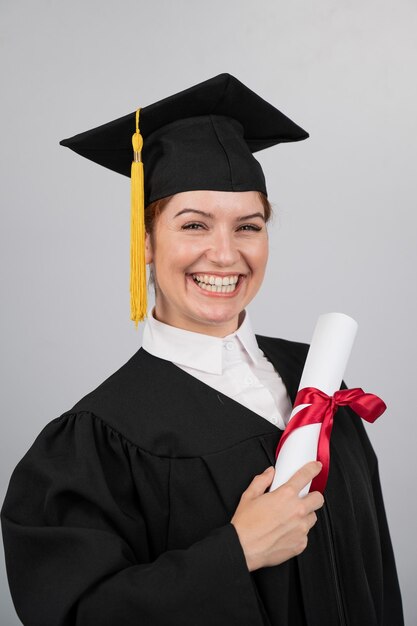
(345, 200)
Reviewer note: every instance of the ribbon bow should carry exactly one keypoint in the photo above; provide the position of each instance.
(320, 410)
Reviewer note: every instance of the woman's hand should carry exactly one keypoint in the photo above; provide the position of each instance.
(272, 527)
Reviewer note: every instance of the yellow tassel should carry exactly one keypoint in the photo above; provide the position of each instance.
(138, 292)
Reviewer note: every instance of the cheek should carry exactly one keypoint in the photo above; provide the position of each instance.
(259, 257)
(170, 260)
(180, 255)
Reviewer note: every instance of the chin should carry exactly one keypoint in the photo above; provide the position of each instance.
(217, 317)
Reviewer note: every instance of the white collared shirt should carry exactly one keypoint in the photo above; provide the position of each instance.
(233, 365)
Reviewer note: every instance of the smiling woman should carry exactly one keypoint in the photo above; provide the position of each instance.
(208, 261)
(147, 502)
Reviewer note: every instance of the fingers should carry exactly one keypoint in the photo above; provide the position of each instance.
(260, 483)
(314, 500)
(305, 475)
(273, 527)
(311, 519)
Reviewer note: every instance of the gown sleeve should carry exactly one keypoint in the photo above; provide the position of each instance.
(73, 532)
(392, 609)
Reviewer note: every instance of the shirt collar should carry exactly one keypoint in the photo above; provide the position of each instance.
(195, 350)
(247, 338)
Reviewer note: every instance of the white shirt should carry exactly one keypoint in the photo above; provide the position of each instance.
(233, 365)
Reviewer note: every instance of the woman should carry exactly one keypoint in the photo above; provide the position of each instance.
(147, 502)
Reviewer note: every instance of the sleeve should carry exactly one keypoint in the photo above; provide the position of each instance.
(392, 611)
(69, 524)
(392, 603)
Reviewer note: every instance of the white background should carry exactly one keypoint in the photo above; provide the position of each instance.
(344, 236)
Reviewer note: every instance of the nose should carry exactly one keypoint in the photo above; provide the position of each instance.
(223, 250)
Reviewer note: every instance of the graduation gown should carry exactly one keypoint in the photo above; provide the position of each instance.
(119, 513)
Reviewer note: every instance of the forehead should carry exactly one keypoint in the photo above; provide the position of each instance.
(218, 203)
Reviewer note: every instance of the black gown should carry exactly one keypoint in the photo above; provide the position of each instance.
(119, 513)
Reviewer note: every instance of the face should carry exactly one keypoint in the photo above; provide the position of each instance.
(209, 251)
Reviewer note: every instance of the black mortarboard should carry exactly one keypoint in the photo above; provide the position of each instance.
(200, 138)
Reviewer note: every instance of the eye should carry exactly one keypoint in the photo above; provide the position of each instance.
(193, 226)
(250, 227)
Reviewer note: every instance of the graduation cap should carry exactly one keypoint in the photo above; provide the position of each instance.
(201, 138)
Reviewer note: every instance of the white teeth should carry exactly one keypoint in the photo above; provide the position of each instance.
(216, 280)
(217, 284)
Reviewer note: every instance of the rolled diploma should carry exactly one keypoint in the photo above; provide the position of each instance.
(324, 369)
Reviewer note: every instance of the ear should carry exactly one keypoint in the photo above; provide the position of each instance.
(148, 249)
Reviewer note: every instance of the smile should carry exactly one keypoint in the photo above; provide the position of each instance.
(216, 284)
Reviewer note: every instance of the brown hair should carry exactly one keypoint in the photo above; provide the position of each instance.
(154, 209)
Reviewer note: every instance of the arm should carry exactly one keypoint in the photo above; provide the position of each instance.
(73, 530)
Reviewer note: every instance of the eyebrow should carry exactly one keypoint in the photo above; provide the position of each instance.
(210, 215)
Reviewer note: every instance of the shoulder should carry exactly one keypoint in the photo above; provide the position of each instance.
(121, 399)
(288, 358)
(284, 351)
(294, 348)
(137, 371)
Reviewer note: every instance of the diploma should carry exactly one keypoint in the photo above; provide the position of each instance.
(324, 368)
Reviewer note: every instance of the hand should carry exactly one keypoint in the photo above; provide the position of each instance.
(272, 527)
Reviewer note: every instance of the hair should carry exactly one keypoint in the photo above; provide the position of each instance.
(154, 209)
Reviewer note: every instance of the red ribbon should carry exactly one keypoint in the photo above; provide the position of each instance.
(321, 411)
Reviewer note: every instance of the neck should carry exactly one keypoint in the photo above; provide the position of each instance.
(212, 329)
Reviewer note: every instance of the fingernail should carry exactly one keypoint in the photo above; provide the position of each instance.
(268, 469)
